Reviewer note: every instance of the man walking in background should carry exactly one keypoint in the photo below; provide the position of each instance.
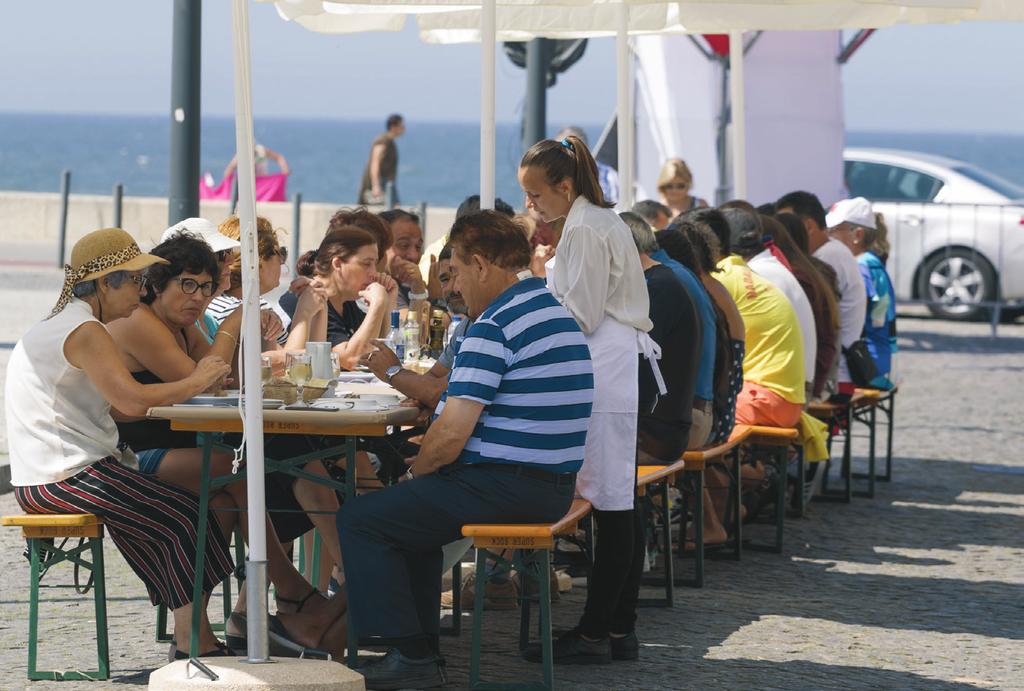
(382, 167)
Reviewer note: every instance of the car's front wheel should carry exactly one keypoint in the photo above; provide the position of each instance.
(955, 282)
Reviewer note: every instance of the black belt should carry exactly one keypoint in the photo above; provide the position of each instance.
(528, 471)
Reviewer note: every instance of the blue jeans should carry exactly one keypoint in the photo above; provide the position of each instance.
(391, 540)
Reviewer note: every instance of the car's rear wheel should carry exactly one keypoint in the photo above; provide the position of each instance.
(956, 282)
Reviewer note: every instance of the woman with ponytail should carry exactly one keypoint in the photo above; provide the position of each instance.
(596, 274)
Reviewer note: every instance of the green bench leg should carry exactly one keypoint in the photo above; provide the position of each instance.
(99, 601)
(33, 611)
(478, 617)
(99, 590)
(536, 559)
(547, 654)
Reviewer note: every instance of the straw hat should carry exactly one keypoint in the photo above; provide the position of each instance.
(99, 253)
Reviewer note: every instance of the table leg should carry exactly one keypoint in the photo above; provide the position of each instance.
(350, 492)
(201, 527)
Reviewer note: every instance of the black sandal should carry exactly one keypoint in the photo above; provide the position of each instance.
(220, 651)
(299, 604)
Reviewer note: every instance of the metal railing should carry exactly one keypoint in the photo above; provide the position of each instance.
(117, 200)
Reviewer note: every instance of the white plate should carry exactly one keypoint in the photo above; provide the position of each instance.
(361, 377)
(222, 401)
(382, 398)
(321, 404)
(272, 403)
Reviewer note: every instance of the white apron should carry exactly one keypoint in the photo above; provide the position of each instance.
(607, 478)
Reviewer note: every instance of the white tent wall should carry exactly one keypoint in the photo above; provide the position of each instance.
(678, 94)
(794, 114)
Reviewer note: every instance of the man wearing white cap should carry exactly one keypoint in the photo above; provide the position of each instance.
(848, 214)
(853, 298)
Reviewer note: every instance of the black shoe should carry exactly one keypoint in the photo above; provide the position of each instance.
(572, 649)
(396, 671)
(626, 647)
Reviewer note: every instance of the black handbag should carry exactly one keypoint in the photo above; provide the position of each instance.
(860, 363)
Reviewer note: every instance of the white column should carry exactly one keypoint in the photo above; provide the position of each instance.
(623, 112)
(488, 45)
(737, 108)
(249, 358)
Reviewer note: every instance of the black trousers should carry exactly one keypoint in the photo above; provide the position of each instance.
(615, 579)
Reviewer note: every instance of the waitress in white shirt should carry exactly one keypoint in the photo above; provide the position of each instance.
(598, 277)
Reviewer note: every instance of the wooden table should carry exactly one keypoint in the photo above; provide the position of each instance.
(345, 424)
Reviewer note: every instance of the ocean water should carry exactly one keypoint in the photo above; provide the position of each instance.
(438, 162)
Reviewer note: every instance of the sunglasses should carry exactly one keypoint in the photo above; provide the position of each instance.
(189, 286)
(676, 186)
(280, 252)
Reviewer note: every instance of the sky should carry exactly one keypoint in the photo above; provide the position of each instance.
(113, 56)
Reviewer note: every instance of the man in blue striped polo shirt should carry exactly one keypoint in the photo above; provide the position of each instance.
(504, 447)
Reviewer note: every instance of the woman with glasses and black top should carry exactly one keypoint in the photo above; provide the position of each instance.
(160, 342)
(674, 184)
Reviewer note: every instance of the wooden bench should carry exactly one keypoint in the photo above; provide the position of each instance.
(532, 544)
(840, 418)
(718, 455)
(775, 441)
(663, 475)
(885, 401)
(40, 530)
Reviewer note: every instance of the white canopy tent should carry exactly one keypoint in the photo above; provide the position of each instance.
(491, 21)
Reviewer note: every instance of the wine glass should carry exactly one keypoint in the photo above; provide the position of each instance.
(266, 368)
(299, 369)
(336, 365)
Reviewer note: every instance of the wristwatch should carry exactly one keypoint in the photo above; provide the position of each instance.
(390, 372)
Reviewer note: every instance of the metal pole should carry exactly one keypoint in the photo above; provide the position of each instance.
(65, 192)
(390, 200)
(739, 130)
(296, 229)
(722, 138)
(535, 112)
(488, 44)
(421, 211)
(118, 198)
(249, 357)
(183, 193)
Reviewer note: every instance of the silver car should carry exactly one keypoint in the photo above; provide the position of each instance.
(956, 231)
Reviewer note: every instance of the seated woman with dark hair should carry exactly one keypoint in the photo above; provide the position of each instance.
(730, 332)
(160, 342)
(350, 329)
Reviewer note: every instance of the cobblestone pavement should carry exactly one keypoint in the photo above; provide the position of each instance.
(920, 588)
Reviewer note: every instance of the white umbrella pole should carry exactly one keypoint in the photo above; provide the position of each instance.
(488, 44)
(737, 108)
(249, 356)
(623, 115)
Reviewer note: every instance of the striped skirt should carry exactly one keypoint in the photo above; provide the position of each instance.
(152, 523)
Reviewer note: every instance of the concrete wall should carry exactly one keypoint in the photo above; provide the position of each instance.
(34, 218)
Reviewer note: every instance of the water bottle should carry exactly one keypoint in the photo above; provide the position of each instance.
(450, 334)
(411, 332)
(395, 339)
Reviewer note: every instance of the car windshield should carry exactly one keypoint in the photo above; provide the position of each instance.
(1003, 186)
